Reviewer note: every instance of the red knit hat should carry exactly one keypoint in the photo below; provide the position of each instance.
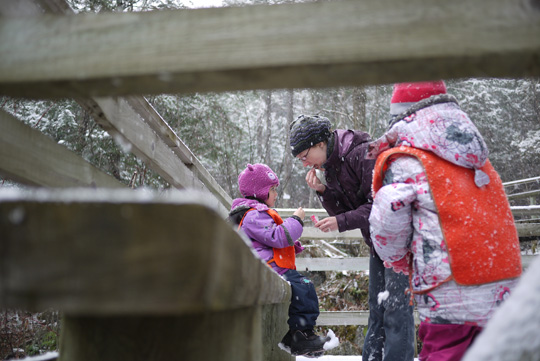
(406, 94)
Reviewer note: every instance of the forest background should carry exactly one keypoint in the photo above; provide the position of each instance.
(228, 130)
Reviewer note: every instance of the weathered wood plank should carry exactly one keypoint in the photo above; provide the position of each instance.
(522, 181)
(137, 109)
(527, 194)
(30, 157)
(128, 127)
(177, 146)
(321, 212)
(315, 233)
(17, 8)
(348, 318)
(279, 46)
(528, 229)
(243, 334)
(533, 210)
(356, 264)
(523, 229)
(126, 252)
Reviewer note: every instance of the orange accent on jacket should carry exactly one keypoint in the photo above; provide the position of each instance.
(477, 223)
(283, 257)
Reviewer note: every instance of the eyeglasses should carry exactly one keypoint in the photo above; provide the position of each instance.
(304, 158)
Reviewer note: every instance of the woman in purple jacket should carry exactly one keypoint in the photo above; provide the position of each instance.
(341, 175)
(276, 242)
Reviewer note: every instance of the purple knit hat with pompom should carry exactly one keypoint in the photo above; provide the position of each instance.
(256, 180)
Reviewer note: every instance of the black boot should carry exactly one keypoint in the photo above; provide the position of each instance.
(286, 341)
(307, 342)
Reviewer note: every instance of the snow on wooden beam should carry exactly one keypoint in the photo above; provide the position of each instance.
(523, 229)
(356, 264)
(347, 318)
(321, 44)
(134, 123)
(30, 157)
(315, 233)
(126, 252)
(181, 168)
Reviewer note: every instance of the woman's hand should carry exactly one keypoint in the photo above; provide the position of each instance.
(313, 182)
(328, 224)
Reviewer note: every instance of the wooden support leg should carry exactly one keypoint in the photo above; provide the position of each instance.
(249, 334)
(274, 325)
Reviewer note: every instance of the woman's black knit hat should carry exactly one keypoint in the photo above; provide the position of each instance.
(308, 130)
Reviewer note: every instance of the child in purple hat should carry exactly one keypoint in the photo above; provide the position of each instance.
(276, 242)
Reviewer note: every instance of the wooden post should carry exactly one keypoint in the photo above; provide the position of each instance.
(139, 277)
(241, 334)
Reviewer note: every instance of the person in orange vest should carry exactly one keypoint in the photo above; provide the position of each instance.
(276, 242)
(440, 215)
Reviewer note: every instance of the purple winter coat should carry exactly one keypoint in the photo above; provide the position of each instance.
(264, 233)
(348, 176)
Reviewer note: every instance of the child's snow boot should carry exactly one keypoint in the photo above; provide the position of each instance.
(307, 342)
(286, 341)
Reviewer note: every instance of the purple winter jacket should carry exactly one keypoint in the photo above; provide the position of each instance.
(264, 233)
(348, 176)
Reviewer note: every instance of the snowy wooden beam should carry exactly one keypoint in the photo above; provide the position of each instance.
(528, 229)
(136, 124)
(315, 233)
(310, 232)
(348, 318)
(30, 157)
(126, 252)
(133, 123)
(356, 264)
(163, 130)
(527, 194)
(522, 181)
(320, 44)
(140, 276)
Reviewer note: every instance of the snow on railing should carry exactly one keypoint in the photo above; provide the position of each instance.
(527, 193)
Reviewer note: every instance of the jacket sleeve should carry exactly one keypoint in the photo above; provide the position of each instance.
(260, 227)
(391, 222)
(334, 203)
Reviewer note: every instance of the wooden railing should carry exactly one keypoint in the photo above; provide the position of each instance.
(141, 278)
(340, 261)
(534, 181)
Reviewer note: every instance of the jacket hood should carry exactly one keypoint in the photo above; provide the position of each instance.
(241, 205)
(438, 125)
(248, 203)
(344, 141)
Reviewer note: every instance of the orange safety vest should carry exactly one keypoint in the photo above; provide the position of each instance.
(283, 257)
(477, 223)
